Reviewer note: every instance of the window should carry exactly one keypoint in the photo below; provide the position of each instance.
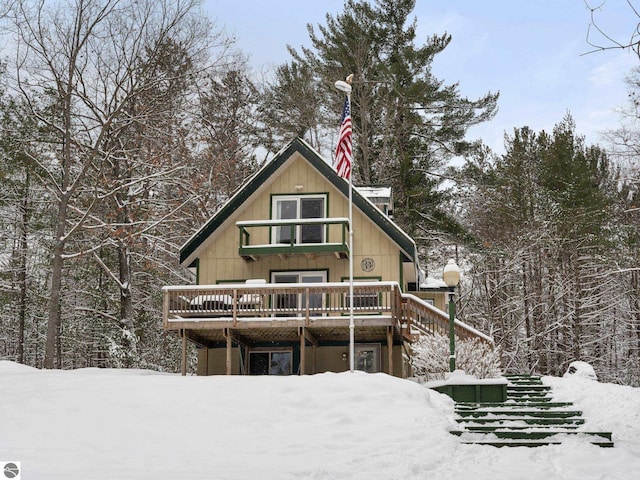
(270, 363)
(296, 302)
(364, 301)
(298, 208)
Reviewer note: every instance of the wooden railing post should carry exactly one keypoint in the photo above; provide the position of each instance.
(165, 307)
(235, 307)
(307, 315)
(184, 352)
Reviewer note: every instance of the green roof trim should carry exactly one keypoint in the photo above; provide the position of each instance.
(406, 244)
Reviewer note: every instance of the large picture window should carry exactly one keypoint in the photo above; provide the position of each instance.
(289, 207)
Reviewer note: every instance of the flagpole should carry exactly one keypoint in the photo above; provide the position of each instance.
(352, 356)
(346, 88)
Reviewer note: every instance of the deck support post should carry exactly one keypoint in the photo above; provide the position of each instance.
(206, 361)
(390, 350)
(303, 344)
(314, 348)
(229, 349)
(307, 336)
(184, 352)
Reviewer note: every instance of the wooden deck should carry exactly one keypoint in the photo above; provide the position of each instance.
(283, 312)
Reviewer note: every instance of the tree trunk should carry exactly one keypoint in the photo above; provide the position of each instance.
(54, 322)
(126, 303)
(22, 268)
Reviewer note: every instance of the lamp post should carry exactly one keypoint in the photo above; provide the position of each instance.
(451, 277)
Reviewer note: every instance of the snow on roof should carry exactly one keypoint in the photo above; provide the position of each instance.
(375, 192)
(431, 282)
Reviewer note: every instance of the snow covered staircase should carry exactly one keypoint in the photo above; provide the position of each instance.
(528, 418)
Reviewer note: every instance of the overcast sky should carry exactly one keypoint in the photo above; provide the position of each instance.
(534, 52)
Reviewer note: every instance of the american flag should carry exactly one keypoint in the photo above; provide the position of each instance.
(343, 158)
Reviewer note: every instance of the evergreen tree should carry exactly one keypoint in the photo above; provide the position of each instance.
(544, 277)
(408, 124)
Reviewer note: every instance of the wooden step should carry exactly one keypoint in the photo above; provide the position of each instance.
(522, 376)
(531, 434)
(526, 394)
(525, 381)
(528, 418)
(508, 421)
(531, 443)
(491, 428)
(531, 413)
(512, 405)
(525, 398)
(528, 388)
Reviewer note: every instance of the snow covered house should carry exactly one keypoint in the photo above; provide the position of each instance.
(272, 278)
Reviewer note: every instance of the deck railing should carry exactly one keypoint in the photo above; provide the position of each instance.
(428, 319)
(294, 236)
(306, 303)
(278, 300)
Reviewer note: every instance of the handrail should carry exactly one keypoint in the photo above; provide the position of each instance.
(429, 319)
(281, 300)
(291, 221)
(331, 241)
(307, 302)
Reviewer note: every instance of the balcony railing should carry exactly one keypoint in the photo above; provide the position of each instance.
(298, 236)
(304, 304)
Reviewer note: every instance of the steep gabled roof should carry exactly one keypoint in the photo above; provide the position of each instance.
(406, 244)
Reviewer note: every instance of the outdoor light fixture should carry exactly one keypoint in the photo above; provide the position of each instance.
(451, 277)
(344, 86)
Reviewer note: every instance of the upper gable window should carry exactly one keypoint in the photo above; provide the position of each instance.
(298, 207)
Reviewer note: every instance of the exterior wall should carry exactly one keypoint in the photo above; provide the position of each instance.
(221, 262)
(440, 299)
(329, 359)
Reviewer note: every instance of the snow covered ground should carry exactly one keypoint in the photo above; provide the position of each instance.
(95, 424)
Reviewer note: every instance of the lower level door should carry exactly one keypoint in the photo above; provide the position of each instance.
(270, 363)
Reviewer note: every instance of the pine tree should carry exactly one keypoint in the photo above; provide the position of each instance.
(543, 212)
(408, 124)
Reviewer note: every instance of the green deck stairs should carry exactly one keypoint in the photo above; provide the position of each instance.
(529, 417)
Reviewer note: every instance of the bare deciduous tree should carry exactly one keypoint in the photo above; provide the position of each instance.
(84, 58)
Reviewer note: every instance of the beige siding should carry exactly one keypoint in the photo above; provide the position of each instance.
(221, 261)
(439, 299)
(329, 359)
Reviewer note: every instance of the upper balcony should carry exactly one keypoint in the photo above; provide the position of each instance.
(309, 236)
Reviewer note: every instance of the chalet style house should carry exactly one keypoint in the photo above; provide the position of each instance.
(272, 278)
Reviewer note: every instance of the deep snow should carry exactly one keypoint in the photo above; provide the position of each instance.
(132, 424)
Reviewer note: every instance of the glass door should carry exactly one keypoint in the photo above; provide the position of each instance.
(312, 208)
(367, 357)
(286, 209)
(297, 302)
(270, 363)
(285, 301)
(298, 208)
(316, 300)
